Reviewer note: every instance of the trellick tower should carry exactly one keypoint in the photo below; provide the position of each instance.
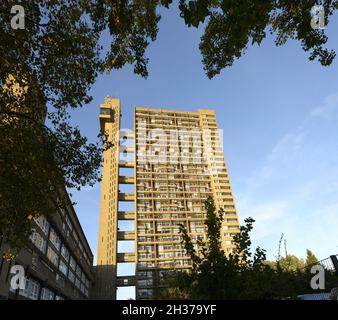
(178, 162)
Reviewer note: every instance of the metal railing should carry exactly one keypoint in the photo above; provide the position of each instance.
(330, 264)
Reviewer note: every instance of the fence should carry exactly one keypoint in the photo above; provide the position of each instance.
(330, 264)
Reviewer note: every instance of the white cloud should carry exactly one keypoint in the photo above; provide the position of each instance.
(266, 214)
(295, 190)
(329, 105)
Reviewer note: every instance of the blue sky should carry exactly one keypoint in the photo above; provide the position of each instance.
(279, 113)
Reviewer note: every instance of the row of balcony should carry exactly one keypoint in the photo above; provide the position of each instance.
(126, 257)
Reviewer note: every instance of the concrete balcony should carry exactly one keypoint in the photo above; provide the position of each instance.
(126, 179)
(126, 257)
(106, 115)
(126, 164)
(125, 215)
(125, 235)
(125, 135)
(126, 197)
(127, 149)
(125, 281)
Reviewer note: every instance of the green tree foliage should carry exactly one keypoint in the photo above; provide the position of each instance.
(311, 259)
(291, 263)
(232, 25)
(44, 68)
(242, 274)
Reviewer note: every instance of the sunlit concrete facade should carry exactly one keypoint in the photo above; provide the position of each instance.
(178, 162)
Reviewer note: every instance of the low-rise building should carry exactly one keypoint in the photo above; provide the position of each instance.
(57, 262)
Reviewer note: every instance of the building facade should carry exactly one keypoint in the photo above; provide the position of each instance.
(57, 263)
(177, 164)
